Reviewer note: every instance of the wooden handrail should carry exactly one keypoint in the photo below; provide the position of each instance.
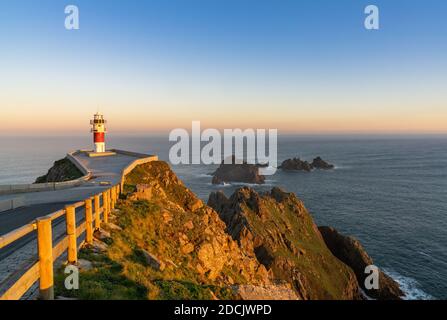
(17, 234)
(42, 270)
(21, 286)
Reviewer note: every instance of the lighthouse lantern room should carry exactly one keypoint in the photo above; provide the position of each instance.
(99, 130)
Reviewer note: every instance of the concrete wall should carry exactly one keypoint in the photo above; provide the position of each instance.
(133, 154)
(80, 166)
(36, 187)
(10, 204)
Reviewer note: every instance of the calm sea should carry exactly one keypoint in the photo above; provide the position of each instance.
(389, 192)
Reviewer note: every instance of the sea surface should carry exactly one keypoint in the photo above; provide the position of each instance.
(390, 192)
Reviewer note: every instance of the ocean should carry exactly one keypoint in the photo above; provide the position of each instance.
(390, 192)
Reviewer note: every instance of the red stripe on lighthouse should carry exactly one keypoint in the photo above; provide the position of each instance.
(98, 137)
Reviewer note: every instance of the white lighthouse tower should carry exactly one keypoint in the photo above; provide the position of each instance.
(99, 130)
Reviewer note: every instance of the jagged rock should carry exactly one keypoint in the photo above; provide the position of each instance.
(188, 248)
(254, 238)
(102, 235)
(237, 172)
(351, 252)
(99, 246)
(195, 205)
(296, 164)
(152, 261)
(148, 191)
(319, 163)
(268, 292)
(276, 228)
(213, 259)
(113, 226)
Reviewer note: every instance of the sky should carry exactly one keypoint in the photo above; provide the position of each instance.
(151, 66)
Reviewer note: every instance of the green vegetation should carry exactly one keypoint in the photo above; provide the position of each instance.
(122, 272)
(303, 246)
(105, 281)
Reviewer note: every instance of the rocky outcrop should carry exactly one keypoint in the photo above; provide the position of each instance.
(351, 252)
(62, 170)
(162, 217)
(296, 164)
(168, 244)
(237, 172)
(276, 228)
(319, 163)
(152, 261)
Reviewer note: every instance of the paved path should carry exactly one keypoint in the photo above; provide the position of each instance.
(104, 169)
(37, 204)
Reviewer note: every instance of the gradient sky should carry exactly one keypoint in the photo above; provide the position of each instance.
(299, 66)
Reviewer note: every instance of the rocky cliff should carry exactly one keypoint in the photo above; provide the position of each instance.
(165, 243)
(351, 252)
(276, 228)
(62, 170)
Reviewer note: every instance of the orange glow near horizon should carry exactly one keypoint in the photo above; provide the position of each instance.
(128, 123)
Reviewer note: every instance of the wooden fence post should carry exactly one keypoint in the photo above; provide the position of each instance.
(112, 198)
(71, 233)
(97, 213)
(45, 249)
(88, 221)
(105, 203)
(109, 200)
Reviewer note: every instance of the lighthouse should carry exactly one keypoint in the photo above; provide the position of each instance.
(99, 130)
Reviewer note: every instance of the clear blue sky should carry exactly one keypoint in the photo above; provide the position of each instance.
(295, 65)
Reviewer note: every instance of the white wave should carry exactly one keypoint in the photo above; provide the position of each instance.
(253, 185)
(409, 286)
(424, 254)
(242, 184)
(204, 175)
(339, 167)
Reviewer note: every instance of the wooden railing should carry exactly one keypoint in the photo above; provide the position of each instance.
(42, 269)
